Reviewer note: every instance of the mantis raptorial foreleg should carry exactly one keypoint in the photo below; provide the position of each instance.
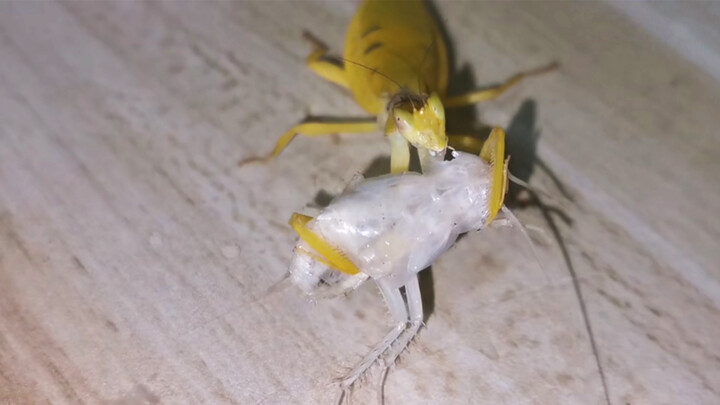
(466, 143)
(399, 153)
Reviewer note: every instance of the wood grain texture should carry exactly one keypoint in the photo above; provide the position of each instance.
(136, 257)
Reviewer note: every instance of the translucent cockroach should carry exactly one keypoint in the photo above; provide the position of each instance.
(390, 228)
(396, 67)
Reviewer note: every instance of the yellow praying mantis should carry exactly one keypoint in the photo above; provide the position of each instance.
(396, 67)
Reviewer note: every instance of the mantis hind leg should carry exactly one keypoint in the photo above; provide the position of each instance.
(317, 127)
(318, 62)
(493, 92)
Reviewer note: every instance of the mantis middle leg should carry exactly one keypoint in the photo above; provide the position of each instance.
(493, 92)
(317, 127)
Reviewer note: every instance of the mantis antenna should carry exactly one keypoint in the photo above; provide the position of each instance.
(372, 70)
(422, 61)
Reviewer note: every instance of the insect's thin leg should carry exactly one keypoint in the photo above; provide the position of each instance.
(317, 61)
(491, 93)
(317, 127)
(399, 153)
(397, 308)
(414, 300)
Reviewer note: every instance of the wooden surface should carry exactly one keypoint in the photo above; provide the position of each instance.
(136, 257)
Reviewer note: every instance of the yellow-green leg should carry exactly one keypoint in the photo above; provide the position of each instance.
(324, 68)
(494, 92)
(314, 128)
(471, 144)
(493, 152)
(466, 143)
(399, 153)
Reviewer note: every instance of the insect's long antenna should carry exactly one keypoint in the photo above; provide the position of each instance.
(372, 70)
(279, 285)
(515, 221)
(526, 185)
(422, 61)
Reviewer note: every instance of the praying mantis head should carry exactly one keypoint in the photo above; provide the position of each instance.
(422, 125)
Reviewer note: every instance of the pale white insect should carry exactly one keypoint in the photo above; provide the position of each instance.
(390, 228)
